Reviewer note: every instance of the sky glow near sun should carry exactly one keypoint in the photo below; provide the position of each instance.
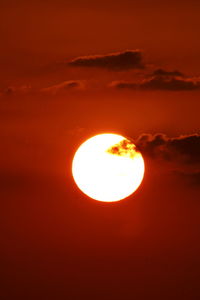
(107, 167)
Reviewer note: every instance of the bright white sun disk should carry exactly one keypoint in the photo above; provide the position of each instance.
(108, 175)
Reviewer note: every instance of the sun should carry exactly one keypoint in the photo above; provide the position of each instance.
(107, 167)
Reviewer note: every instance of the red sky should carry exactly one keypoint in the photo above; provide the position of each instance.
(73, 70)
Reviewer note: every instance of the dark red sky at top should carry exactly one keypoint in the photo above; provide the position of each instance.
(70, 70)
(35, 33)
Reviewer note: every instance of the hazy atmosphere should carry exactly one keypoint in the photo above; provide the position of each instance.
(71, 70)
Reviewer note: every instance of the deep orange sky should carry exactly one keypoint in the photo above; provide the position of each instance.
(34, 34)
(56, 243)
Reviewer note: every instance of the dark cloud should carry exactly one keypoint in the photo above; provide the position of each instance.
(66, 85)
(183, 149)
(171, 84)
(161, 72)
(130, 59)
(53, 89)
(161, 80)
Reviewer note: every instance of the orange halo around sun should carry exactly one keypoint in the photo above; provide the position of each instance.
(107, 167)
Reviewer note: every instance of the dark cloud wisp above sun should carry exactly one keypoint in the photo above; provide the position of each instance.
(162, 72)
(63, 86)
(118, 61)
(161, 80)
